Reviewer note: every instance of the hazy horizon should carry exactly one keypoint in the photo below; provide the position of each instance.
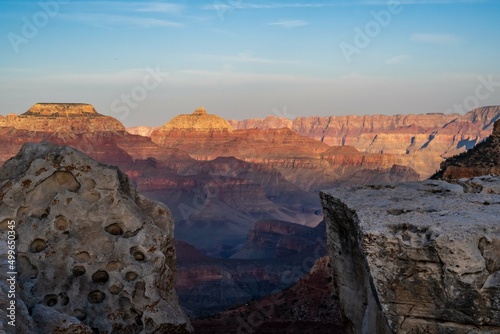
(146, 62)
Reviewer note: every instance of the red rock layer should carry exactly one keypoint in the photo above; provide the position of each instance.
(421, 140)
(483, 159)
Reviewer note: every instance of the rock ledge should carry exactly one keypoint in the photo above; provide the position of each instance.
(417, 257)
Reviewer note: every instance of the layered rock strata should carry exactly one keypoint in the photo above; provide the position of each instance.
(424, 140)
(483, 159)
(55, 117)
(418, 257)
(93, 255)
(307, 162)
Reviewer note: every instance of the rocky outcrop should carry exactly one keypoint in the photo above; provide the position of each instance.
(93, 255)
(483, 159)
(417, 257)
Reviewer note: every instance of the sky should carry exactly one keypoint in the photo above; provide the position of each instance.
(145, 62)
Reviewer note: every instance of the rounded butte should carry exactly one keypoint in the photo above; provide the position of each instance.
(198, 120)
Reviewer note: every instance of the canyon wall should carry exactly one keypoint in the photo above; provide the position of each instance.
(417, 257)
(483, 159)
(426, 138)
(93, 255)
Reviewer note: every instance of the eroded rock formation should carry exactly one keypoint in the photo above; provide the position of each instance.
(93, 255)
(66, 117)
(307, 162)
(417, 257)
(423, 140)
(482, 159)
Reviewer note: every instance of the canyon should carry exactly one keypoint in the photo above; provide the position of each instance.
(244, 195)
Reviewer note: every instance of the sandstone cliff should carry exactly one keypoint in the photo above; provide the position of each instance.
(304, 161)
(78, 125)
(62, 117)
(144, 131)
(417, 257)
(483, 159)
(93, 255)
(428, 137)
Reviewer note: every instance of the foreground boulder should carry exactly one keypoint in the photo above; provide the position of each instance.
(93, 255)
(418, 257)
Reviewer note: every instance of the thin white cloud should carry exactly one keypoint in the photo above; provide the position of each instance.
(160, 7)
(397, 59)
(248, 5)
(109, 19)
(146, 14)
(438, 2)
(229, 5)
(289, 23)
(243, 58)
(217, 78)
(120, 78)
(435, 38)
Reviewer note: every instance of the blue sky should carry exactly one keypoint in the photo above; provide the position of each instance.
(145, 62)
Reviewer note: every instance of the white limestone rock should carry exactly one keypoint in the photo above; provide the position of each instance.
(416, 257)
(93, 255)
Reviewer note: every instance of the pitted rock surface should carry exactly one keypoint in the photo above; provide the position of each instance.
(93, 255)
(417, 257)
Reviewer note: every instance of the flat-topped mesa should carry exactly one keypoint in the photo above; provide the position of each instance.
(199, 120)
(74, 118)
(62, 109)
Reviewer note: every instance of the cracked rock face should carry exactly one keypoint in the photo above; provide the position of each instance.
(93, 255)
(418, 257)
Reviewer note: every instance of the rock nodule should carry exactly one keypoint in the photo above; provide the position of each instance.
(93, 255)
